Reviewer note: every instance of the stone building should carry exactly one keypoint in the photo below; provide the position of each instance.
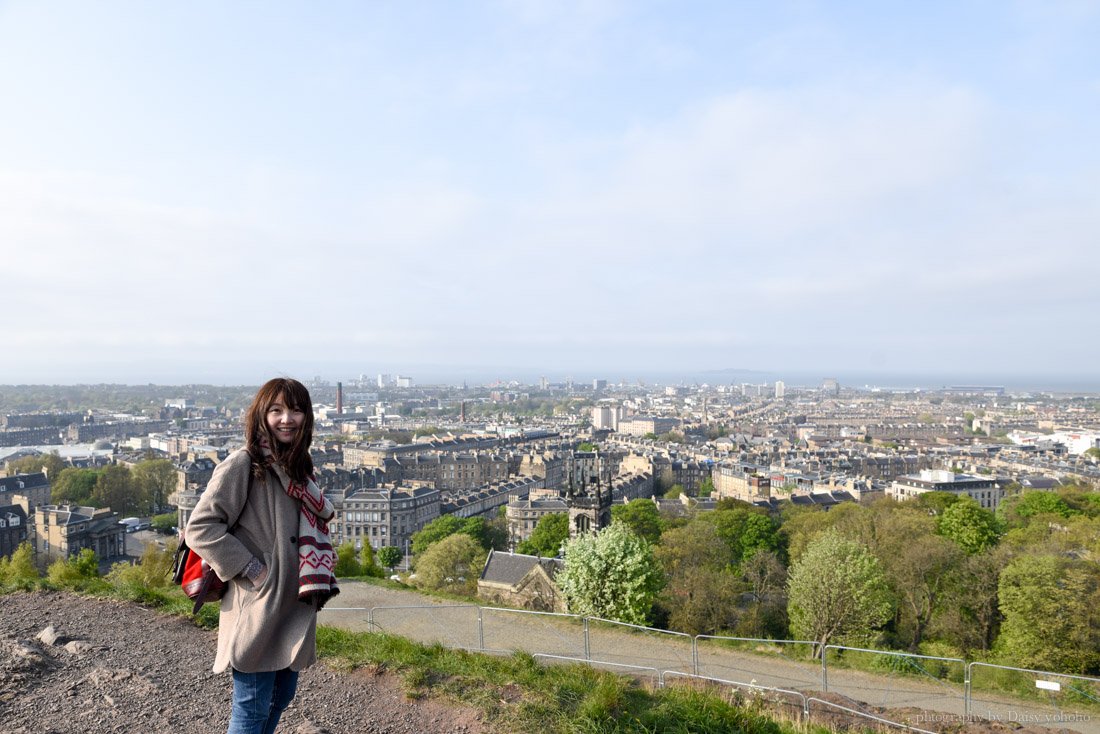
(14, 529)
(384, 516)
(35, 488)
(523, 582)
(62, 531)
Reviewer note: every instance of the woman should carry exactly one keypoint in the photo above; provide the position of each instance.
(262, 525)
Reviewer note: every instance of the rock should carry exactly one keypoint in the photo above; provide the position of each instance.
(48, 636)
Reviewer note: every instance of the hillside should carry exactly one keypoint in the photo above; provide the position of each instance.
(118, 667)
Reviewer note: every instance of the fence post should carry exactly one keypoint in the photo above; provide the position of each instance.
(695, 655)
(824, 669)
(480, 631)
(370, 620)
(587, 646)
(966, 690)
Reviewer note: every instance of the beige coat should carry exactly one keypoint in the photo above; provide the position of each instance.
(260, 629)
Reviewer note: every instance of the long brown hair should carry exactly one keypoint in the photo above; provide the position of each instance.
(294, 459)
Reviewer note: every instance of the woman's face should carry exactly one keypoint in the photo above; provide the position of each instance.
(284, 422)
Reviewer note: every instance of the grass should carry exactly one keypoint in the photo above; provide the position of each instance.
(516, 693)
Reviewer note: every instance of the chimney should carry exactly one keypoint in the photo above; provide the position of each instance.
(339, 398)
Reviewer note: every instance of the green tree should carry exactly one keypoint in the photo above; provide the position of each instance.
(641, 516)
(700, 593)
(435, 531)
(50, 463)
(548, 536)
(1093, 453)
(1051, 619)
(935, 502)
(19, 568)
(764, 576)
(367, 565)
(918, 564)
(611, 574)
(389, 556)
(837, 591)
(74, 571)
(971, 527)
(115, 488)
(164, 523)
(674, 492)
(451, 564)
(586, 446)
(73, 486)
(152, 571)
(347, 562)
(1017, 510)
(155, 479)
(706, 487)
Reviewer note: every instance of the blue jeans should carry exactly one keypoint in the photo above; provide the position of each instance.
(259, 699)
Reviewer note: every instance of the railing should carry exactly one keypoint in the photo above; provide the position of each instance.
(1056, 698)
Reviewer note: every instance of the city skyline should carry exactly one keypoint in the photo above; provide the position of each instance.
(218, 194)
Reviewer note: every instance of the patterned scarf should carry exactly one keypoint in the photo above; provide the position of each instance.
(316, 559)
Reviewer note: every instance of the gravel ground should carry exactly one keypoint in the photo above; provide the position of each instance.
(71, 664)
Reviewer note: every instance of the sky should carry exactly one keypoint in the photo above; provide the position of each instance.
(220, 192)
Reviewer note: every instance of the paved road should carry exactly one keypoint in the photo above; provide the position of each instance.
(409, 614)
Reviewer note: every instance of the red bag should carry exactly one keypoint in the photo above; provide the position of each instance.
(195, 575)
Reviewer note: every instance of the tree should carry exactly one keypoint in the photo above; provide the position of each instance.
(837, 591)
(611, 574)
(486, 534)
(1018, 510)
(706, 487)
(452, 564)
(367, 566)
(1051, 620)
(346, 562)
(73, 486)
(115, 488)
(586, 446)
(745, 530)
(389, 556)
(74, 570)
(433, 532)
(674, 492)
(165, 523)
(548, 536)
(51, 464)
(156, 479)
(764, 577)
(971, 527)
(918, 564)
(641, 516)
(19, 568)
(700, 593)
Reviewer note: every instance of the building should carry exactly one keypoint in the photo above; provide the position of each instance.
(34, 488)
(384, 516)
(742, 483)
(986, 491)
(606, 417)
(641, 425)
(13, 529)
(524, 515)
(62, 531)
(780, 389)
(524, 582)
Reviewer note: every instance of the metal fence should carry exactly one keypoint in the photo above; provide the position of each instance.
(901, 680)
(939, 689)
(1039, 698)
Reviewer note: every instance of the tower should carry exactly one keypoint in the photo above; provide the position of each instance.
(587, 493)
(339, 398)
